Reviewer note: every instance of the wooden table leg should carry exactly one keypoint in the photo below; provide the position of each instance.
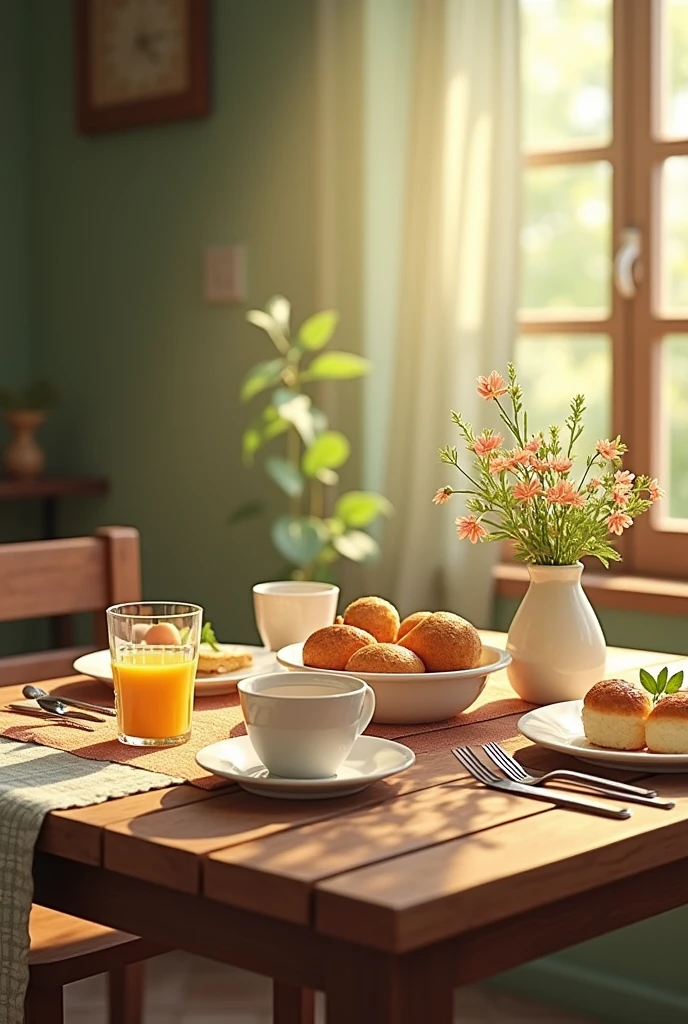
(367, 987)
(292, 1005)
(125, 988)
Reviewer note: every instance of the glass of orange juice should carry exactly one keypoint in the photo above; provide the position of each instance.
(154, 652)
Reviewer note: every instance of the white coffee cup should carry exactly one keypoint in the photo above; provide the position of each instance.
(288, 612)
(303, 724)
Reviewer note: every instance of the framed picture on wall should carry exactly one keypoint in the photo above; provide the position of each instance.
(140, 62)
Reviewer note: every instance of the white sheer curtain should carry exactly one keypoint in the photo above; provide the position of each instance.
(457, 295)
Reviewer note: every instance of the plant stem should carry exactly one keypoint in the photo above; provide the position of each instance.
(294, 457)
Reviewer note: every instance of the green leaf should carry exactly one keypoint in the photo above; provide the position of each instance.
(263, 375)
(262, 429)
(267, 323)
(316, 331)
(279, 309)
(336, 366)
(208, 636)
(285, 475)
(357, 546)
(330, 450)
(662, 680)
(296, 409)
(360, 508)
(675, 683)
(300, 539)
(648, 681)
(248, 510)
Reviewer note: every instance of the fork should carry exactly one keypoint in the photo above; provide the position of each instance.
(515, 771)
(475, 767)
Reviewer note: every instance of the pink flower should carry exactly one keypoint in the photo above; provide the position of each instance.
(468, 527)
(608, 449)
(560, 464)
(443, 496)
(594, 484)
(564, 493)
(500, 464)
(618, 522)
(487, 443)
(656, 492)
(623, 480)
(492, 386)
(519, 457)
(534, 444)
(620, 496)
(539, 465)
(527, 489)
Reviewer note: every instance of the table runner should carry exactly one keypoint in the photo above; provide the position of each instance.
(214, 719)
(33, 781)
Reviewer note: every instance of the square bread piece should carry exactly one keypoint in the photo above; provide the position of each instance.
(229, 658)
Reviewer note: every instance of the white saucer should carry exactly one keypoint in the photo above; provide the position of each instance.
(559, 727)
(370, 759)
(99, 666)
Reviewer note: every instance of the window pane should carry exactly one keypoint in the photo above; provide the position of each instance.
(566, 51)
(566, 238)
(674, 284)
(674, 426)
(553, 368)
(674, 69)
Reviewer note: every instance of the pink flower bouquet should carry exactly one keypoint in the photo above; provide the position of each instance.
(531, 490)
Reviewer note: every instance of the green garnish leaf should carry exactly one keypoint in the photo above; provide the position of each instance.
(662, 679)
(648, 681)
(208, 636)
(675, 682)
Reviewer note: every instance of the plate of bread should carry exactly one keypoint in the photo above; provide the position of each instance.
(427, 667)
(220, 666)
(619, 723)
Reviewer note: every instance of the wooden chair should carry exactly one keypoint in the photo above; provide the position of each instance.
(63, 577)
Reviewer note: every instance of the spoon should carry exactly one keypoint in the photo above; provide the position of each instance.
(34, 692)
(58, 707)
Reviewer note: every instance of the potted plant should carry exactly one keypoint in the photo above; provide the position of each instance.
(302, 453)
(554, 507)
(24, 410)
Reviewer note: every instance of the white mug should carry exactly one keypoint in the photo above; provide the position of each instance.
(303, 724)
(289, 611)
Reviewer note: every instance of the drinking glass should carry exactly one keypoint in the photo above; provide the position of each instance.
(154, 652)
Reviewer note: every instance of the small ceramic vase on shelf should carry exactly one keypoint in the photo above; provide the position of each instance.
(556, 643)
(23, 457)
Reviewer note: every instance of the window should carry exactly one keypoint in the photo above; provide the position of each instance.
(604, 282)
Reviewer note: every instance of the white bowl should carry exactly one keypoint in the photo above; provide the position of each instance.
(412, 698)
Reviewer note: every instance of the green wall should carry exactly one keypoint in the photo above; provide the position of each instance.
(148, 373)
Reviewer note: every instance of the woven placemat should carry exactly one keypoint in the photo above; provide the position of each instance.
(214, 719)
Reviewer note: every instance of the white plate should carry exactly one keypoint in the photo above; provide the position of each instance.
(559, 727)
(412, 698)
(370, 759)
(99, 666)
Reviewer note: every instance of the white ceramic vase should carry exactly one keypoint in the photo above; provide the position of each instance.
(556, 643)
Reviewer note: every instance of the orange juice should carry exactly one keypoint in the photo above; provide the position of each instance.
(154, 689)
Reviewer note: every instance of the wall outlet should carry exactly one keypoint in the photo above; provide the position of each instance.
(224, 273)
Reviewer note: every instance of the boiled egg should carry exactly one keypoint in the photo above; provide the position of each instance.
(163, 634)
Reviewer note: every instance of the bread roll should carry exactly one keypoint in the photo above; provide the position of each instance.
(444, 643)
(614, 715)
(407, 624)
(332, 646)
(666, 729)
(376, 616)
(384, 658)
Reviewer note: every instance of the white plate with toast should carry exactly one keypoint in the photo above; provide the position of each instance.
(560, 727)
(213, 684)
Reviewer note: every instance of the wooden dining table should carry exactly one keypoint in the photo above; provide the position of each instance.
(386, 900)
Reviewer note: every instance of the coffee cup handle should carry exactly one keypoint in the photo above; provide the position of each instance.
(368, 709)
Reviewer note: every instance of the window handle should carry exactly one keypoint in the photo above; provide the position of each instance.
(626, 257)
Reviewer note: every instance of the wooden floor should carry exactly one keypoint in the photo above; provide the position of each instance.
(183, 989)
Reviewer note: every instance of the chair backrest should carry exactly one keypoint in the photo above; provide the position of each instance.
(62, 577)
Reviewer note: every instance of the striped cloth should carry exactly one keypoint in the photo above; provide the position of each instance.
(33, 781)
